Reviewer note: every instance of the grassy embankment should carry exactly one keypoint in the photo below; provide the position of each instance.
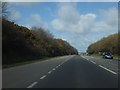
(114, 56)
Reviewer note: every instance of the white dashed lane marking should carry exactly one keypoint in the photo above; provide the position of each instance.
(33, 84)
(43, 77)
(107, 69)
(49, 72)
(53, 69)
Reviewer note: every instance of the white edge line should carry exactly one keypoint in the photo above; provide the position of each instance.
(87, 59)
(93, 62)
(43, 77)
(107, 69)
(33, 84)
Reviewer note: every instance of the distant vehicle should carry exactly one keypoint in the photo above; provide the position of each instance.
(107, 55)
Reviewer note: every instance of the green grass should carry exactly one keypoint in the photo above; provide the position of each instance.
(29, 61)
(96, 55)
(117, 56)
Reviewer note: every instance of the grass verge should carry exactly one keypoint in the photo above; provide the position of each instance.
(114, 56)
(25, 62)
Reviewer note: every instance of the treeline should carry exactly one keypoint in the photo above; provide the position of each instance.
(22, 44)
(109, 43)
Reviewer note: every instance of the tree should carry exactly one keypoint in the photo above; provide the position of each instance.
(22, 44)
(109, 43)
(5, 10)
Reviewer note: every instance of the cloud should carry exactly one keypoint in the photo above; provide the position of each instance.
(109, 21)
(84, 29)
(110, 16)
(35, 20)
(70, 20)
(14, 15)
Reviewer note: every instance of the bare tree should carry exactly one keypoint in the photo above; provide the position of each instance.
(5, 10)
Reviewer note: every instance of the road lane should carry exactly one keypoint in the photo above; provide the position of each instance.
(79, 73)
(24, 75)
(63, 72)
(108, 63)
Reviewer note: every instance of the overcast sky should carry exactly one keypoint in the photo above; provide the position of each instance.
(79, 23)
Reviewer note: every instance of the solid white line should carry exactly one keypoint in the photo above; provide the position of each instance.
(33, 84)
(43, 77)
(93, 62)
(49, 72)
(107, 69)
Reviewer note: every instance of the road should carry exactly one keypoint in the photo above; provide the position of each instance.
(64, 72)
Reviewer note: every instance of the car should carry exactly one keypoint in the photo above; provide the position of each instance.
(107, 55)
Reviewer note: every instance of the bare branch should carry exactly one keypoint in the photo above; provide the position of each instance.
(5, 10)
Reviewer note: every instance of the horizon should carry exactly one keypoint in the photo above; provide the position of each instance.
(73, 22)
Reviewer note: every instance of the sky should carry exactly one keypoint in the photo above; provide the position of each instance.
(79, 23)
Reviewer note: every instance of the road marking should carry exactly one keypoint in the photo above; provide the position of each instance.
(57, 66)
(93, 62)
(53, 69)
(107, 69)
(87, 59)
(49, 72)
(43, 77)
(33, 84)
(83, 57)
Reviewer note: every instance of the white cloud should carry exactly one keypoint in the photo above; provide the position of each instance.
(109, 21)
(35, 20)
(111, 16)
(84, 29)
(14, 15)
(70, 20)
(36, 17)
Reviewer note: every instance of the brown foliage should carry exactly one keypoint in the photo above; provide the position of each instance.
(21, 44)
(109, 43)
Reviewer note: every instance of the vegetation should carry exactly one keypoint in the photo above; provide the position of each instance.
(109, 43)
(21, 44)
(4, 9)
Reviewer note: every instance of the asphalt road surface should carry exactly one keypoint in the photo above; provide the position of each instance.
(64, 72)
